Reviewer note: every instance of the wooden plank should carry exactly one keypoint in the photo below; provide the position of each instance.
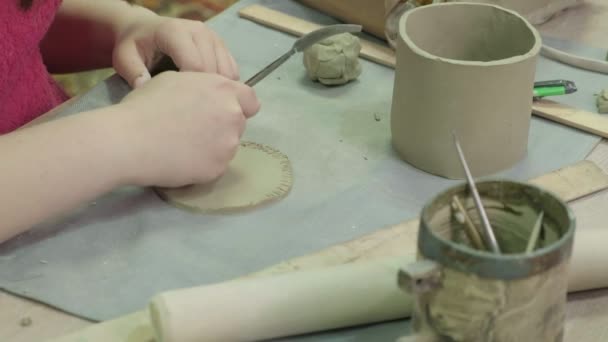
(575, 181)
(135, 327)
(572, 117)
(368, 13)
(569, 183)
(45, 321)
(298, 27)
(577, 118)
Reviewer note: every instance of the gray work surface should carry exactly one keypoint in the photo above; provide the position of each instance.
(109, 257)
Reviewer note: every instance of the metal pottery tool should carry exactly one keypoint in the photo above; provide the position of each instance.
(553, 88)
(485, 222)
(301, 44)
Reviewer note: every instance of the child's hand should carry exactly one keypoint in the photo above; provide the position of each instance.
(191, 45)
(183, 127)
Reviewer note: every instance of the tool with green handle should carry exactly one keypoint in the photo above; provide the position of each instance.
(553, 88)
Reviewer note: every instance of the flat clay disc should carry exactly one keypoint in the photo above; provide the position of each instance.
(258, 174)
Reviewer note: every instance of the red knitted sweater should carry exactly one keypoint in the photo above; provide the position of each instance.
(26, 88)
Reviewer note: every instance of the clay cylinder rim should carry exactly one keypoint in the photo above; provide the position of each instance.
(488, 264)
(403, 34)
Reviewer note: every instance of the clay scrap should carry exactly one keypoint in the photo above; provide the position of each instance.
(602, 101)
(334, 60)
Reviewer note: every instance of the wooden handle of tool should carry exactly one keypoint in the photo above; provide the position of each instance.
(282, 305)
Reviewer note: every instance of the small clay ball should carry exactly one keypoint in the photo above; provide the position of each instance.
(334, 60)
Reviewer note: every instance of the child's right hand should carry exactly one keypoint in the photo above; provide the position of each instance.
(183, 127)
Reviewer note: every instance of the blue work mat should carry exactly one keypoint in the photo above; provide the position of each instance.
(110, 257)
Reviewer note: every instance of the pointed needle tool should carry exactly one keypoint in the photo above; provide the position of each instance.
(485, 223)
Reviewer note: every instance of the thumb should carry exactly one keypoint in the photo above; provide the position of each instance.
(129, 63)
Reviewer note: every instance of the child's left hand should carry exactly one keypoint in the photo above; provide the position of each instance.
(191, 45)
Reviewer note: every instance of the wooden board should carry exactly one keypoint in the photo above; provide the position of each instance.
(367, 13)
(134, 327)
(570, 183)
(572, 117)
(45, 321)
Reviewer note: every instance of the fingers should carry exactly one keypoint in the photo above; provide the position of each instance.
(206, 51)
(241, 124)
(247, 99)
(235, 67)
(193, 47)
(226, 65)
(180, 46)
(130, 63)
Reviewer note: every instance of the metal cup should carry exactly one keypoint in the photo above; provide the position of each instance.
(467, 294)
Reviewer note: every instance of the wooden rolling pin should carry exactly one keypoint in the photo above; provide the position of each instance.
(322, 299)
(588, 268)
(282, 305)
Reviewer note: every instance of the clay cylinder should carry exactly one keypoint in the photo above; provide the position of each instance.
(467, 68)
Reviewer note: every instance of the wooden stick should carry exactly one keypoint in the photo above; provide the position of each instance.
(469, 226)
(585, 121)
(535, 232)
(573, 117)
(584, 178)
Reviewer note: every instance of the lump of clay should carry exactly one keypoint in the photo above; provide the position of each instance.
(334, 60)
(602, 101)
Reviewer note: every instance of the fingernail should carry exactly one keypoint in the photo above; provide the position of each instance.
(140, 80)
